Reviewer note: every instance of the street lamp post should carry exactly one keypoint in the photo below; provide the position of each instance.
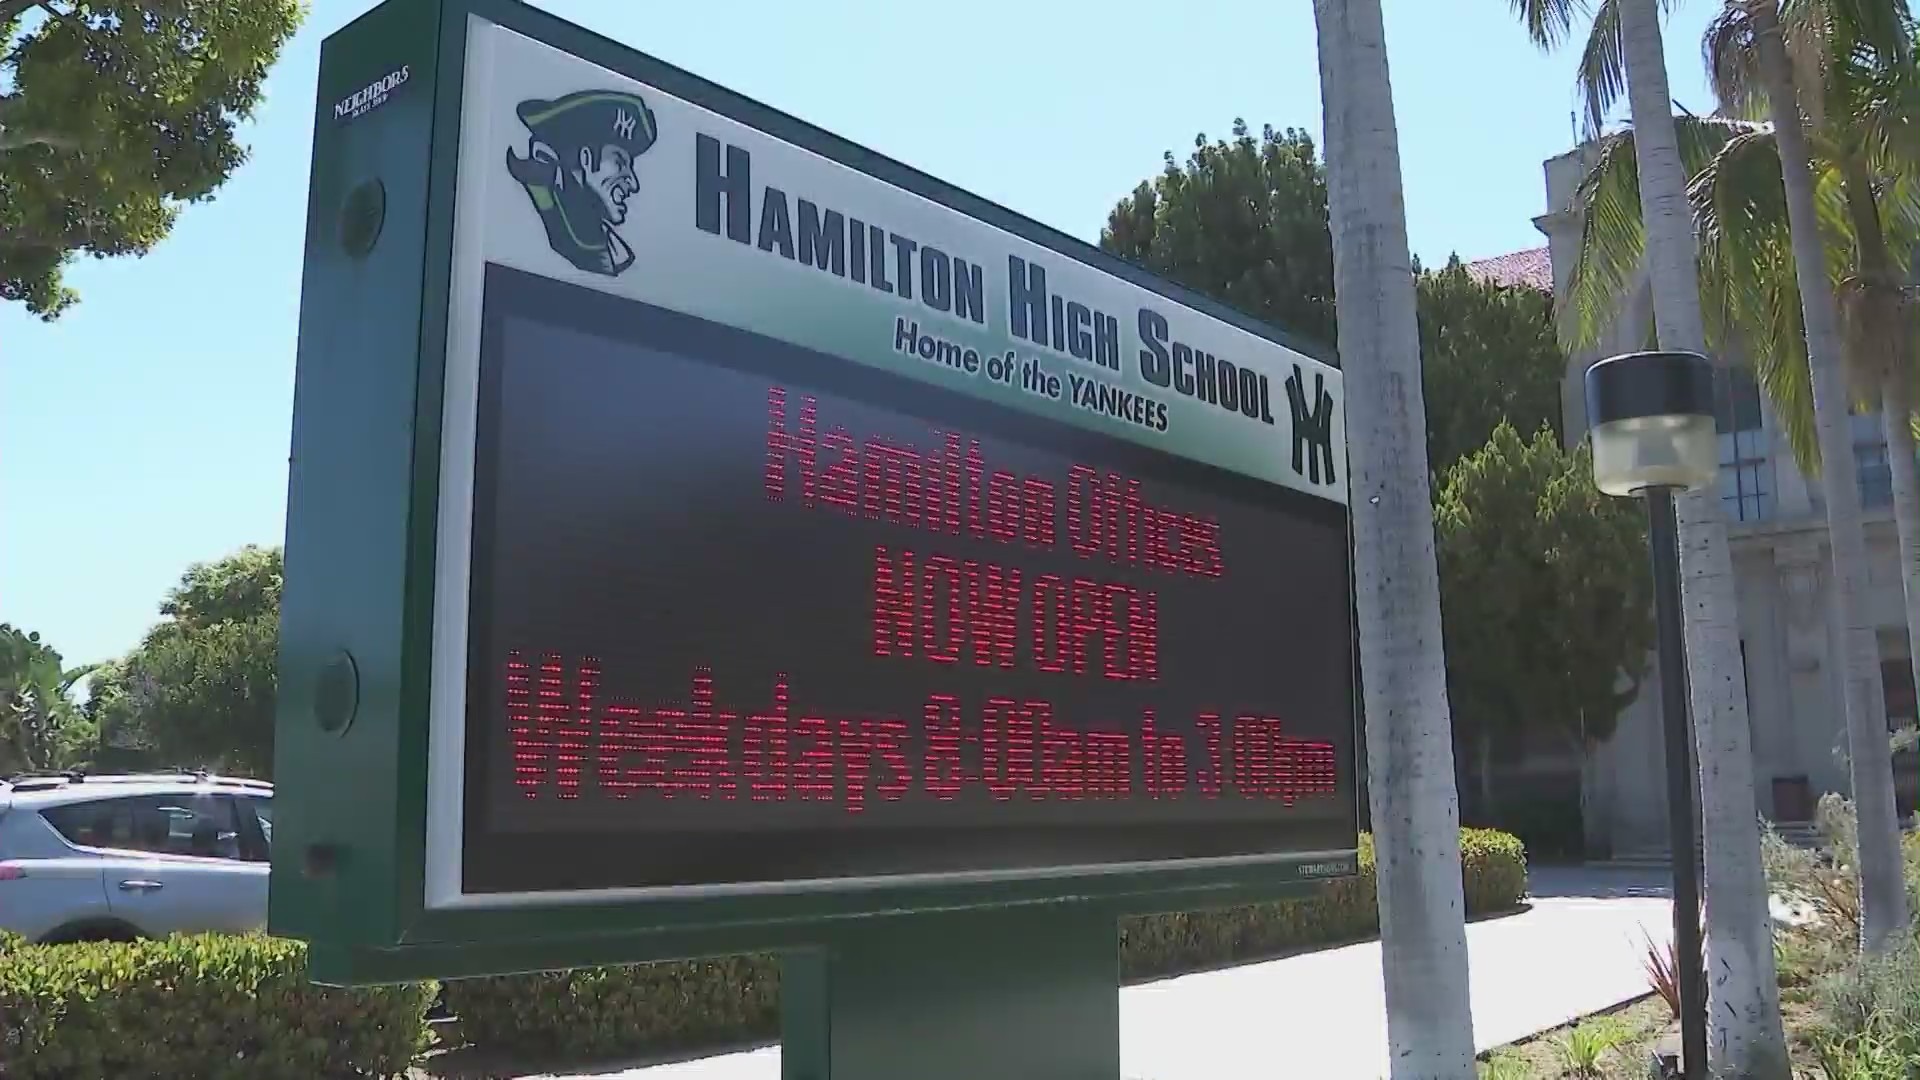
(1651, 418)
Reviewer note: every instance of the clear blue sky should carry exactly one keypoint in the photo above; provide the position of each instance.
(148, 428)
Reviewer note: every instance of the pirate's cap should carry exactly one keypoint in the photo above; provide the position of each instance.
(592, 118)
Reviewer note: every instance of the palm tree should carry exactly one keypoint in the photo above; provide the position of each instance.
(1415, 807)
(1754, 264)
(1748, 38)
(1867, 164)
(1624, 51)
(37, 718)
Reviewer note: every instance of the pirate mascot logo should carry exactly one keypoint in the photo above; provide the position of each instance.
(579, 172)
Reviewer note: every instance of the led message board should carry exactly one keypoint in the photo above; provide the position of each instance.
(689, 505)
(766, 616)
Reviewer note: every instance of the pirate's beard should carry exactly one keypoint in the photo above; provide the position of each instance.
(586, 214)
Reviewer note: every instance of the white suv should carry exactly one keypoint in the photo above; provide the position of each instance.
(118, 857)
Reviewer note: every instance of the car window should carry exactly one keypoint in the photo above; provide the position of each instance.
(259, 846)
(186, 824)
(263, 809)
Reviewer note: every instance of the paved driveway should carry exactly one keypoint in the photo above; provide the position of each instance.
(1575, 951)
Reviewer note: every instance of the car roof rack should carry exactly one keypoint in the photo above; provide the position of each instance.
(44, 774)
(43, 780)
(51, 780)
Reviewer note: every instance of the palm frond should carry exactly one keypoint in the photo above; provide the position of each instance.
(1730, 51)
(1733, 65)
(1876, 91)
(1808, 35)
(1612, 242)
(1836, 226)
(1878, 26)
(1899, 204)
(1750, 296)
(1602, 76)
(1549, 22)
(75, 674)
(1778, 355)
(1612, 234)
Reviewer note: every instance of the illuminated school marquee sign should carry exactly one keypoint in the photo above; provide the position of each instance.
(696, 519)
(815, 530)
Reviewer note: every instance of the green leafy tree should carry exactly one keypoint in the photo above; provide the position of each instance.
(1489, 354)
(200, 688)
(1245, 222)
(1545, 593)
(113, 114)
(39, 726)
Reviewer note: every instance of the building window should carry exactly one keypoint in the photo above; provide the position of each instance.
(1746, 474)
(1876, 474)
(1871, 463)
(1896, 686)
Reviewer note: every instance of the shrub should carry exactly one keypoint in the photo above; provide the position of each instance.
(1874, 1056)
(1871, 997)
(1826, 882)
(1180, 941)
(209, 1006)
(1801, 955)
(1493, 865)
(607, 1012)
(619, 1011)
(1868, 1019)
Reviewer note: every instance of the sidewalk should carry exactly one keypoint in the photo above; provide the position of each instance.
(1322, 1014)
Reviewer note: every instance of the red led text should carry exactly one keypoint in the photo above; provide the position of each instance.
(569, 742)
(950, 610)
(952, 490)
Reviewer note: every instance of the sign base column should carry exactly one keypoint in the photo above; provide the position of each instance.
(1011, 993)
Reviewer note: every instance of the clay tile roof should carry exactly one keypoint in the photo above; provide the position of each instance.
(1531, 268)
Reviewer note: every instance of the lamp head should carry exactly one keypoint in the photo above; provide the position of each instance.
(1651, 418)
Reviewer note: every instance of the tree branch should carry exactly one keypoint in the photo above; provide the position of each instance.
(12, 139)
(19, 239)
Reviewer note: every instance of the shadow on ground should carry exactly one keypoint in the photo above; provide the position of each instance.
(1598, 883)
(467, 1063)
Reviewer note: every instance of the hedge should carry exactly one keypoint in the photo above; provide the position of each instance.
(596, 1013)
(213, 1006)
(617, 1011)
(1493, 870)
(216, 1006)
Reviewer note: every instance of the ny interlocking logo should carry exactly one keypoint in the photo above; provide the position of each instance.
(1312, 429)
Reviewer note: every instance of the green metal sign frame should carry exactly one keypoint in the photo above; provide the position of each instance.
(349, 873)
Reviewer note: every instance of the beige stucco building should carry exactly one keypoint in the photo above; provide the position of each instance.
(1789, 623)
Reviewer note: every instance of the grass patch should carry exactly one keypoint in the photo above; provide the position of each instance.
(1611, 1045)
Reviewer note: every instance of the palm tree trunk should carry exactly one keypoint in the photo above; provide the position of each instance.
(1888, 351)
(1747, 1037)
(1896, 415)
(1883, 896)
(1411, 788)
